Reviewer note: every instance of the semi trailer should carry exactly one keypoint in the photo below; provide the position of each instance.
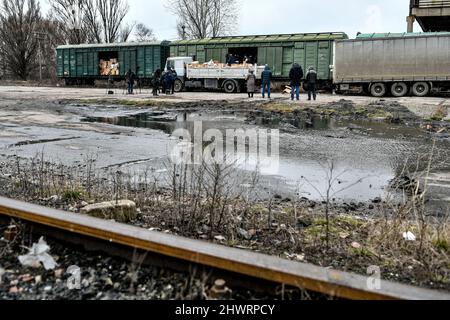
(393, 64)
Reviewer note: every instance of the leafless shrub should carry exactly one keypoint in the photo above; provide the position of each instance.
(332, 180)
(201, 194)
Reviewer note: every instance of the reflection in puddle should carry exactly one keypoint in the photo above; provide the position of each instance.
(364, 166)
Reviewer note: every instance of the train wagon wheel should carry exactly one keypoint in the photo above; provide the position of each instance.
(230, 86)
(399, 89)
(178, 86)
(420, 89)
(378, 90)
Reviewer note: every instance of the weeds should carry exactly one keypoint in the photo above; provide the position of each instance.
(440, 114)
(211, 202)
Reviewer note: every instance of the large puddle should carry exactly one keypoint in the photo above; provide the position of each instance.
(365, 157)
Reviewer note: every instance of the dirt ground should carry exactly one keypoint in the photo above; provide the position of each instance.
(33, 119)
(421, 106)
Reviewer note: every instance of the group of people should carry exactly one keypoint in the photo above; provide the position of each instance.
(296, 76)
(236, 59)
(164, 81)
(266, 78)
(161, 82)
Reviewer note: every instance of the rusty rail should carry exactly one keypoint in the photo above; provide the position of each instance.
(235, 261)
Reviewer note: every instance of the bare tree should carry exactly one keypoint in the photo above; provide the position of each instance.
(222, 17)
(19, 20)
(68, 14)
(199, 19)
(93, 21)
(126, 31)
(112, 13)
(53, 34)
(143, 33)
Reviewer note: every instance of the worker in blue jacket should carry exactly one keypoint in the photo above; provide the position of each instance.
(296, 76)
(266, 77)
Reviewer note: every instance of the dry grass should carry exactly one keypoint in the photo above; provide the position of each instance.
(440, 114)
(208, 202)
(280, 107)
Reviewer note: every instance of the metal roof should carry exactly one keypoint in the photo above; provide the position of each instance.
(401, 35)
(113, 45)
(266, 38)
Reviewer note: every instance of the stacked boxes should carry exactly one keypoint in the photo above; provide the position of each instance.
(109, 67)
(216, 64)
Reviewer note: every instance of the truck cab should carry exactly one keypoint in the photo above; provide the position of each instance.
(179, 65)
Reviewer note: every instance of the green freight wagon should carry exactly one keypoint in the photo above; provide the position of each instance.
(85, 63)
(278, 51)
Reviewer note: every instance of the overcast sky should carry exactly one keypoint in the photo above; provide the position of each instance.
(288, 16)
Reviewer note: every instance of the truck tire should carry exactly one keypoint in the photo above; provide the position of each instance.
(420, 89)
(399, 89)
(378, 90)
(230, 86)
(178, 87)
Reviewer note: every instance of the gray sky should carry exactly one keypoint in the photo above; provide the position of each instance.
(289, 16)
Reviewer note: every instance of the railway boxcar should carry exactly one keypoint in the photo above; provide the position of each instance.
(397, 64)
(83, 64)
(278, 51)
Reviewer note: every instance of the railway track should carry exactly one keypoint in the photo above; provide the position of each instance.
(181, 254)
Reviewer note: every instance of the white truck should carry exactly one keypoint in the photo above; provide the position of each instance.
(210, 75)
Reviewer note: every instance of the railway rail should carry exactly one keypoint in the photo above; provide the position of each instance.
(181, 252)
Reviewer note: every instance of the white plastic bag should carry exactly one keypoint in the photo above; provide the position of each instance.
(409, 236)
(39, 254)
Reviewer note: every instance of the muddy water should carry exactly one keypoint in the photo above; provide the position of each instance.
(365, 157)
